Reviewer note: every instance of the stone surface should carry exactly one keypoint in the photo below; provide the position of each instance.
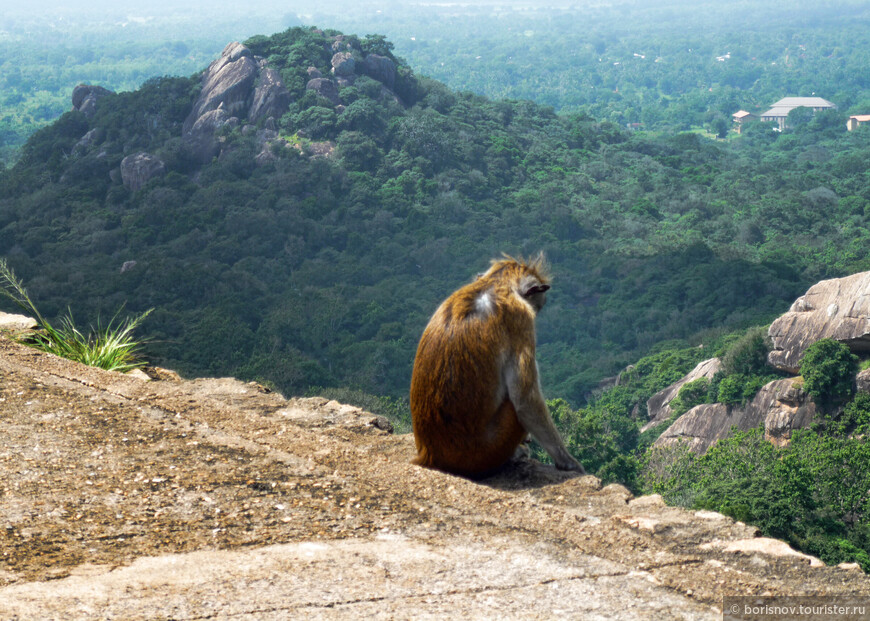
(862, 380)
(343, 64)
(216, 498)
(659, 405)
(139, 168)
(763, 545)
(837, 309)
(16, 323)
(85, 97)
(325, 88)
(227, 83)
(380, 68)
(235, 86)
(91, 138)
(270, 97)
(781, 406)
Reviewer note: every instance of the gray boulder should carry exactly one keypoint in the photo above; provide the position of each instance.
(139, 169)
(781, 405)
(325, 88)
(270, 97)
(380, 68)
(93, 137)
(314, 72)
(343, 64)
(862, 380)
(659, 405)
(343, 43)
(201, 141)
(227, 83)
(85, 97)
(838, 309)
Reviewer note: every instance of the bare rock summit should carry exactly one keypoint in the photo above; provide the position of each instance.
(236, 87)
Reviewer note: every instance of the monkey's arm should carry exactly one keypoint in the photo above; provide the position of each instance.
(524, 391)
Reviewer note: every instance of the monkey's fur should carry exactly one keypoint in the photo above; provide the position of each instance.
(475, 394)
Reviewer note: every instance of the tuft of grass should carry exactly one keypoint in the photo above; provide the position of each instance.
(109, 347)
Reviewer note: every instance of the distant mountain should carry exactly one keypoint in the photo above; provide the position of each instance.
(296, 212)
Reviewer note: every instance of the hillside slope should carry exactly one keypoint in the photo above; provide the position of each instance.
(134, 498)
(295, 214)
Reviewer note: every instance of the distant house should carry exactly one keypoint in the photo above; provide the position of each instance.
(857, 119)
(742, 116)
(779, 112)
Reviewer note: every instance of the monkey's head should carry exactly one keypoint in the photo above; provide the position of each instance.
(530, 279)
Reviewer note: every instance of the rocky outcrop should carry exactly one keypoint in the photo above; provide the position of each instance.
(85, 97)
(380, 68)
(91, 138)
(216, 498)
(139, 169)
(659, 405)
(325, 88)
(344, 43)
(343, 64)
(237, 87)
(227, 84)
(781, 406)
(270, 98)
(837, 309)
(862, 380)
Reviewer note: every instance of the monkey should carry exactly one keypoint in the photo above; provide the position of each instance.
(475, 392)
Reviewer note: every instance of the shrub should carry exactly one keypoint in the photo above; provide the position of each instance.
(828, 368)
(731, 390)
(691, 394)
(748, 354)
(111, 347)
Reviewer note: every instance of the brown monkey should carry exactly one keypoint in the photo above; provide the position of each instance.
(475, 394)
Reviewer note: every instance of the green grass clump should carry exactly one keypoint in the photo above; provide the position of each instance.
(109, 347)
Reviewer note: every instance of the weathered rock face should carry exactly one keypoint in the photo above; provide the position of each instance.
(270, 98)
(325, 88)
(227, 83)
(343, 43)
(659, 405)
(781, 405)
(85, 96)
(837, 309)
(235, 86)
(343, 64)
(863, 380)
(201, 141)
(139, 169)
(93, 137)
(380, 68)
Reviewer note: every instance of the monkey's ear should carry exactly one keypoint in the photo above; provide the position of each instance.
(536, 288)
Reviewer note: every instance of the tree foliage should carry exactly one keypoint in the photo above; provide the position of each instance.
(828, 368)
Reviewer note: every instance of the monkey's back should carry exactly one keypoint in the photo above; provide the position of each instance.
(462, 418)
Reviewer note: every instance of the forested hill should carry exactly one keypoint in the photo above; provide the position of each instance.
(303, 231)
